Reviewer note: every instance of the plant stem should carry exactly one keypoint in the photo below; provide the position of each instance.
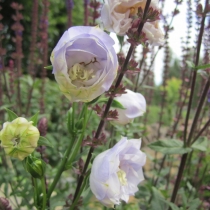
(201, 131)
(61, 167)
(44, 193)
(108, 105)
(194, 73)
(179, 177)
(35, 190)
(198, 111)
(184, 156)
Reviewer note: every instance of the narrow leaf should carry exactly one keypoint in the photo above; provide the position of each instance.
(168, 147)
(204, 66)
(115, 103)
(190, 64)
(34, 118)
(44, 142)
(69, 120)
(11, 114)
(49, 67)
(200, 144)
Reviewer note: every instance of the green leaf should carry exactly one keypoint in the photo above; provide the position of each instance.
(159, 202)
(127, 81)
(115, 103)
(121, 40)
(190, 64)
(204, 66)
(6, 106)
(194, 204)
(34, 118)
(70, 125)
(11, 114)
(149, 87)
(169, 147)
(49, 67)
(200, 144)
(93, 101)
(44, 142)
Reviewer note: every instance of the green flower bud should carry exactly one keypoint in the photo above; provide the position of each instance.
(19, 138)
(79, 124)
(35, 166)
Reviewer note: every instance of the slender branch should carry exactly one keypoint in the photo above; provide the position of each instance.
(184, 157)
(198, 111)
(194, 73)
(61, 167)
(44, 193)
(201, 131)
(179, 177)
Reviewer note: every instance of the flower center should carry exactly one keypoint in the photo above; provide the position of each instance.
(16, 141)
(80, 72)
(122, 177)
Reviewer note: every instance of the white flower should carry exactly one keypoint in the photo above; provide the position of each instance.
(84, 63)
(19, 138)
(134, 104)
(116, 172)
(116, 17)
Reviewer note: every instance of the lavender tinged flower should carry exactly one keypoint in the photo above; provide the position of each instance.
(84, 63)
(134, 104)
(116, 172)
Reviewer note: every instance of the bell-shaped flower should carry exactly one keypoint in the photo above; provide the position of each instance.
(116, 172)
(84, 63)
(134, 104)
(116, 16)
(19, 138)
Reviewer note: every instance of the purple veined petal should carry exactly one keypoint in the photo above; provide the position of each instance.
(119, 146)
(104, 165)
(89, 45)
(102, 36)
(113, 186)
(98, 188)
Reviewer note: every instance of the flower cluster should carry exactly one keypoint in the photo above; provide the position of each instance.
(85, 66)
(118, 15)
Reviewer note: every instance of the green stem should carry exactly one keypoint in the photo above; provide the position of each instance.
(62, 165)
(81, 190)
(60, 169)
(44, 201)
(35, 191)
(78, 143)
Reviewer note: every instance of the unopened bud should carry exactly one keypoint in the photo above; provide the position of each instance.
(42, 126)
(4, 204)
(79, 124)
(19, 138)
(36, 167)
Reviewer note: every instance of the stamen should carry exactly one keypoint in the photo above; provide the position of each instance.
(122, 177)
